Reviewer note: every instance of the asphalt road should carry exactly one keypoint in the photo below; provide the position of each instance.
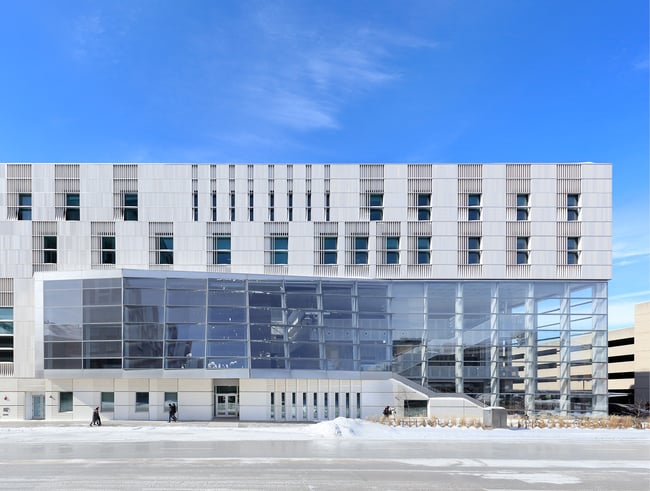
(328, 465)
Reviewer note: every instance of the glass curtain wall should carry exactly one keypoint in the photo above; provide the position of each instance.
(526, 346)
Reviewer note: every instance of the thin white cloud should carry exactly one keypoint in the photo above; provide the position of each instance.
(640, 296)
(309, 75)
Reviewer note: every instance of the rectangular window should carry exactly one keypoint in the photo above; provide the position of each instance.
(573, 250)
(361, 250)
(522, 250)
(327, 207)
(72, 207)
(232, 206)
(376, 203)
(290, 206)
(329, 250)
(130, 210)
(65, 402)
(271, 207)
(573, 207)
(6, 334)
(424, 207)
(222, 250)
(214, 207)
(24, 206)
(166, 250)
(392, 250)
(195, 206)
(107, 402)
(522, 207)
(424, 250)
(169, 398)
(474, 250)
(49, 249)
(280, 252)
(141, 402)
(251, 207)
(108, 250)
(474, 207)
(308, 209)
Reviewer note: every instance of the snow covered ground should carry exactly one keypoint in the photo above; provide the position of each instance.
(334, 455)
(339, 428)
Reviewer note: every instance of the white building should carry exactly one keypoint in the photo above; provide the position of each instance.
(300, 291)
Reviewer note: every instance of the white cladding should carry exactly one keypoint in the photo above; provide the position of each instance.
(165, 194)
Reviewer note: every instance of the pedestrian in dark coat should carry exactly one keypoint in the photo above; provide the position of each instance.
(97, 421)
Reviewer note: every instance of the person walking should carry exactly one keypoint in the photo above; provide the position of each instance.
(97, 421)
(172, 412)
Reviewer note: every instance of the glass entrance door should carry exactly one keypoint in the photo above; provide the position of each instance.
(226, 401)
(38, 406)
(227, 405)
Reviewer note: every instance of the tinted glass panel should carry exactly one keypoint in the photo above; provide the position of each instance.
(226, 349)
(62, 298)
(185, 349)
(185, 331)
(186, 297)
(307, 301)
(143, 331)
(138, 363)
(62, 350)
(226, 315)
(186, 314)
(102, 331)
(227, 331)
(227, 298)
(62, 332)
(144, 283)
(264, 300)
(102, 296)
(143, 314)
(104, 349)
(63, 364)
(102, 314)
(144, 297)
(222, 363)
(144, 349)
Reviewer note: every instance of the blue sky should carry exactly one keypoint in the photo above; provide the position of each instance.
(340, 81)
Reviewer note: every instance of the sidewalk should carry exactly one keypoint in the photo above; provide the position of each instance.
(219, 423)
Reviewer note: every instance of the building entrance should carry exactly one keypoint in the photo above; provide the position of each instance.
(38, 406)
(226, 401)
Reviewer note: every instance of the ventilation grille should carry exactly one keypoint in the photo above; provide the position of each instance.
(470, 171)
(6, 292)
(517, 171)
(420, 171)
